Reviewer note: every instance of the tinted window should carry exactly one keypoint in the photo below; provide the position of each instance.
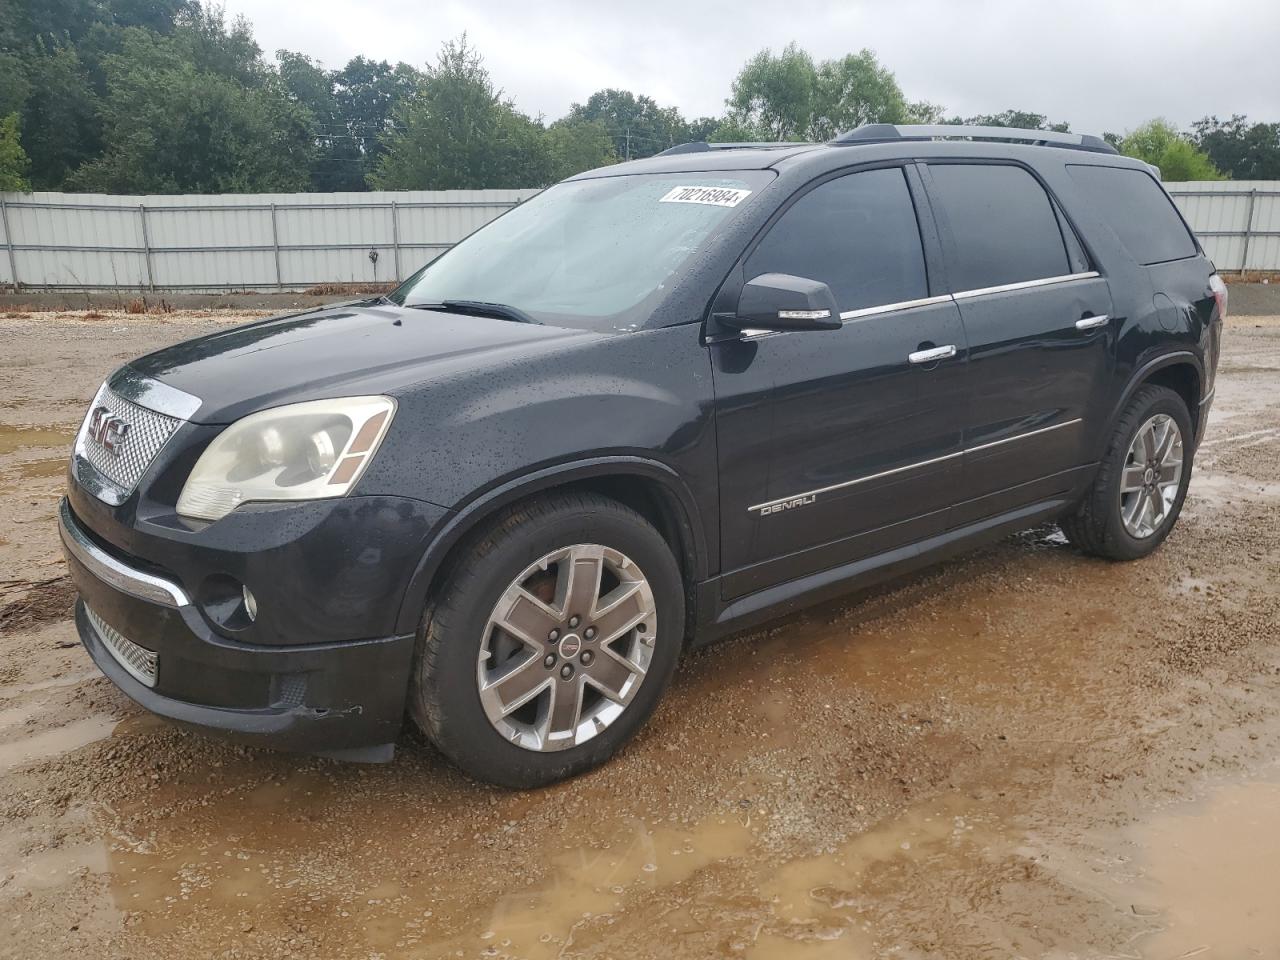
(1003, 224)
(1140, 213)
(857, 234)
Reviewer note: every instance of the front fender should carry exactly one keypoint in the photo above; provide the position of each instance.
(684, 508)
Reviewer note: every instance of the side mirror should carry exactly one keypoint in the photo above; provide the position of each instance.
(779, 301)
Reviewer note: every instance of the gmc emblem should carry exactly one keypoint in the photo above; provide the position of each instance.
(108, 429)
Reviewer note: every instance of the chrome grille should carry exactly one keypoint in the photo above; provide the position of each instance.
(147, 432)
(139, 661)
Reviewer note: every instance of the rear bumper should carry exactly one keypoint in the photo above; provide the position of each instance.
(343, 699)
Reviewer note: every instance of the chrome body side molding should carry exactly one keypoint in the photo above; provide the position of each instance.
(811, 496)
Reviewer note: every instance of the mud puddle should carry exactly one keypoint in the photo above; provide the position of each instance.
(55, 742)
(1210, 872)
(16, 438)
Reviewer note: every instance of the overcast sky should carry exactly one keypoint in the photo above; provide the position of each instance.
(1101, 66)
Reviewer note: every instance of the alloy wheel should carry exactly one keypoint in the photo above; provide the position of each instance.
(566, 647)
(1152, 474)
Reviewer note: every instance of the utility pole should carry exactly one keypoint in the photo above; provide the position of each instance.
(628, 150)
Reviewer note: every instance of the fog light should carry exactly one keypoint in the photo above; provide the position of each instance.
(250, 604)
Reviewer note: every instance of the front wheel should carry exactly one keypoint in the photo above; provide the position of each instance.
(1141, 483)
(551, 643)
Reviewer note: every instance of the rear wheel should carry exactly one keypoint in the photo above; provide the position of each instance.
(1141, 482)
(551, 643)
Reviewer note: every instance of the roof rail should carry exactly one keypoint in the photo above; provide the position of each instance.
(701, 146)
(888, 132)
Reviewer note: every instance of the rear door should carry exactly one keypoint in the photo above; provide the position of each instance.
(834, 445)
(1038, 321)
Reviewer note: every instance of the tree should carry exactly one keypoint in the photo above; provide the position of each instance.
(1021, 119)
(61, 123)
(368, 94)
(337, 162)
(775, 94)
(13, 159)
(1158, 142)
(639, 127)
(578, 145)
(790, 97)
(852, 91)
(1239, 149)
(179, 117)
(457, 132)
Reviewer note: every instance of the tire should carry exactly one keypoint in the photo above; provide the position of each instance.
(1098, 526)
(459, 706)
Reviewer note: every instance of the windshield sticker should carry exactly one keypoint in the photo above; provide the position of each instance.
(714, 196)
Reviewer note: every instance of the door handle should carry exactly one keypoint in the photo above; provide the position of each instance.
(1092, 323)
(933, 354)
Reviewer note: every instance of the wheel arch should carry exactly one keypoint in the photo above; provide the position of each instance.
(1180, 371)
(652, 489)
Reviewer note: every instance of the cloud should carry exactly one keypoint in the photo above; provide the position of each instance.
(1096, 64)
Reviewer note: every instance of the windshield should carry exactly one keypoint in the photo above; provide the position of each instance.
(597, 254)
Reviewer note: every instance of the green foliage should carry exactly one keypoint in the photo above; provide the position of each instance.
(1021, 119)
(1159, 142)
(638, 126)
(852, 91)
(775, 94)
(578, 145)
(1241, 150)
(170, 95)
(179, 116)
(457, 132)
(789, 96)
(61, 127)
(13, 159)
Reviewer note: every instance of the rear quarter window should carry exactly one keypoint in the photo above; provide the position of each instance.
(1133, 204)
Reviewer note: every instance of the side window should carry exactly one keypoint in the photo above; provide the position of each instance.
(1141, 214)
(857, 234)
(1002, 222)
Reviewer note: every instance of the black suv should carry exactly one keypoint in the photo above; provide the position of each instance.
(655, 403)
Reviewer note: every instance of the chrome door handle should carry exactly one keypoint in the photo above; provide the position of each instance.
(1091, 323)
(933, 354)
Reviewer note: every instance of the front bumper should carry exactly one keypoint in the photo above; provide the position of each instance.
(345, 698)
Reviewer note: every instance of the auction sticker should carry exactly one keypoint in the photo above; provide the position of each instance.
(713, 196)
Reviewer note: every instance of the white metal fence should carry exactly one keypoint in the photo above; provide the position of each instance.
(233, 241)
(1237, 221)
(293, 241)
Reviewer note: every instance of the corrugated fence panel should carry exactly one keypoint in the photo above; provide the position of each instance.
(291, 241)
(235, 241)
(1237, 221)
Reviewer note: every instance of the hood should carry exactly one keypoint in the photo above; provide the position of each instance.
(346, 350)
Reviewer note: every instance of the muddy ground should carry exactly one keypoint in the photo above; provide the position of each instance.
(1025, 753)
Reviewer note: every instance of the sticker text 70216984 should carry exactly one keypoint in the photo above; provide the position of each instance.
(715, 196)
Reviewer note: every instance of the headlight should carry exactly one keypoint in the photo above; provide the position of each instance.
(304, 451)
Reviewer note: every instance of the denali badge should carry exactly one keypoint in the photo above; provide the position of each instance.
(781, 505)
(108, 429)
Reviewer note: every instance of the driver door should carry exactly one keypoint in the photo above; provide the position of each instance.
(838, 445)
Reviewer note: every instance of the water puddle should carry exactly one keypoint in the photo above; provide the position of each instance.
(591, 887)
(38, 469)
(54, 743)
(1211, 875)
(24, 438)
(70, 680)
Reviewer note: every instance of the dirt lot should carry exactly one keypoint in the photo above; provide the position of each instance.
(1025, 753)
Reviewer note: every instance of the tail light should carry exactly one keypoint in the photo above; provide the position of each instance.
(1219, 289)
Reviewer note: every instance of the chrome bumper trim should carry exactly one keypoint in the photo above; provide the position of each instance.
(113, 572)
(140, 663)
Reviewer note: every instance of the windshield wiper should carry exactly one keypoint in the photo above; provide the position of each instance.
(479, 308)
